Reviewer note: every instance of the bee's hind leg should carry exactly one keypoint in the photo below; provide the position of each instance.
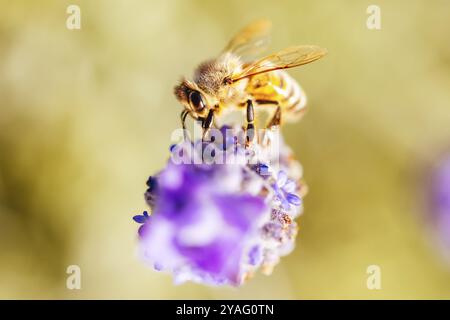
(276, 119)
(274, 123)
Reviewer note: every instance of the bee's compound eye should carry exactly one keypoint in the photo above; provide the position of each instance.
(196, 101)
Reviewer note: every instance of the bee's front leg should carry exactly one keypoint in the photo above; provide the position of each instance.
(207, 123)
(183, 116)
(250, 131)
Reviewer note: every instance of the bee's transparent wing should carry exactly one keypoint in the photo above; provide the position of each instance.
(251, 40)
(287, 58)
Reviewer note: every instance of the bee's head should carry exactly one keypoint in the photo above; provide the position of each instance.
(192, 98)
(210, 85)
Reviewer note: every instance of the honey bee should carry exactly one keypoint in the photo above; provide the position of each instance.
(228, 82)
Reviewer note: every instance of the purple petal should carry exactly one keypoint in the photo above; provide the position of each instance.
(285, 204)
(241, 211)
(157, 267)
(262, 169)
(293, 199)
(255, 255)
(282, 178)
(141, 230)
(152, 183)
(139, 219)
(290, 186)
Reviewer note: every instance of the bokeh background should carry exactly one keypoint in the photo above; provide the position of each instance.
(86, 116)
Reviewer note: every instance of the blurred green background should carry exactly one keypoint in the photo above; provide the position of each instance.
(86, 116)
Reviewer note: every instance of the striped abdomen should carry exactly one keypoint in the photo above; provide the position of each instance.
(277, 87)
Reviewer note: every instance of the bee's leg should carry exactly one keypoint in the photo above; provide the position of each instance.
(183, 116)
(275, 121)
(276, 118)
(207, 123)
(250, 131)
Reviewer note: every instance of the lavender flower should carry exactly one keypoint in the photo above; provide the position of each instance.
(284, 191)
(440, 204)
(218, 223)
(141, 219)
